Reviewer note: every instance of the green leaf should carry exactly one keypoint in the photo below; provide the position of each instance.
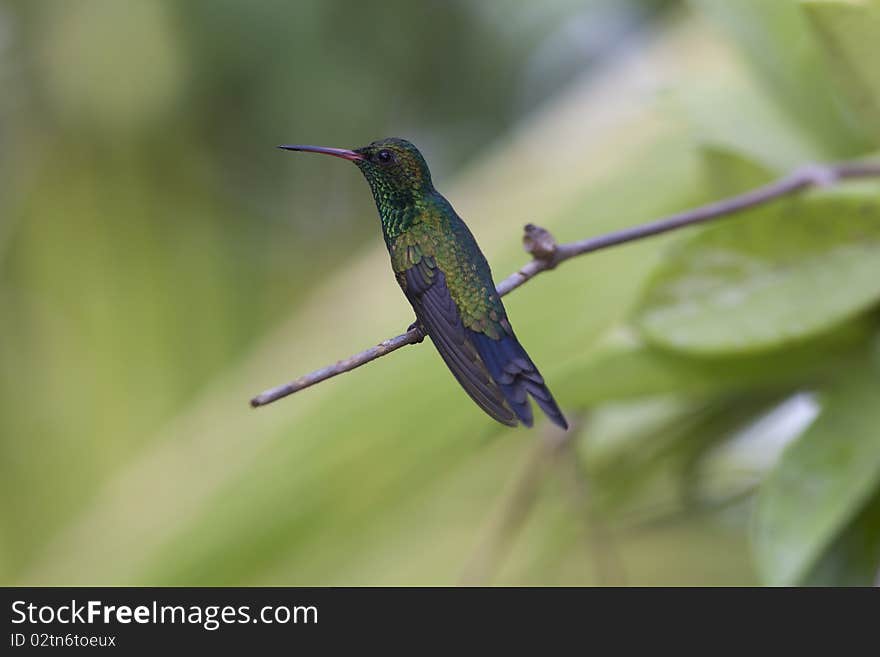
(653, 466)
(821, 482)
(854, 558)
(849, 32)
(728, 171)
(768, 277)
(732, 116)
(630, 369)
(774, 36)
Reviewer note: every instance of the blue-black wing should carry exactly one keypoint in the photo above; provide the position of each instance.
(497, 373)
(425, 286)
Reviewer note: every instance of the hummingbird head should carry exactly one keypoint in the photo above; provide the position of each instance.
(395, 169)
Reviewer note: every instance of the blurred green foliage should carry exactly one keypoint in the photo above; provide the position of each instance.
(160, 263)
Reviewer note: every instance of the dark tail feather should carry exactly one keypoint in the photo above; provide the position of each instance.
(517, 376)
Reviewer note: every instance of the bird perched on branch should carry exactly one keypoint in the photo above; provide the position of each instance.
(447, 280)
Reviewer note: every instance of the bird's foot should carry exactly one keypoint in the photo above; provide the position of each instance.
(417, 326)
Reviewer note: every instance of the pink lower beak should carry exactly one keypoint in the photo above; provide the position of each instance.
(344, 153)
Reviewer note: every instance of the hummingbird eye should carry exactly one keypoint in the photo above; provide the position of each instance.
(384, 156)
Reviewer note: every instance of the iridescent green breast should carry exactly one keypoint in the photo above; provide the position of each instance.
(438, 239)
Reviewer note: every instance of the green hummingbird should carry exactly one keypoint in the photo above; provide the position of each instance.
(447, 280)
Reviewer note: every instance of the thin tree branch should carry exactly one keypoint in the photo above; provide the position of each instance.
(517, 504)
(547, 254)
(608, 566)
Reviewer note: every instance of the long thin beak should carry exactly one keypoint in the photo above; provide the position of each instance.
(344, 153)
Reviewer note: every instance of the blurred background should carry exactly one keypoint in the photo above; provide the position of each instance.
(161, 263)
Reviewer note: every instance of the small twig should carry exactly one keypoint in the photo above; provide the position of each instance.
(546, 254)
(515, 507)
(601, 545)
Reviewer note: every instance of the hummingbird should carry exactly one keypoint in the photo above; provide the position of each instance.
(447, 280)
